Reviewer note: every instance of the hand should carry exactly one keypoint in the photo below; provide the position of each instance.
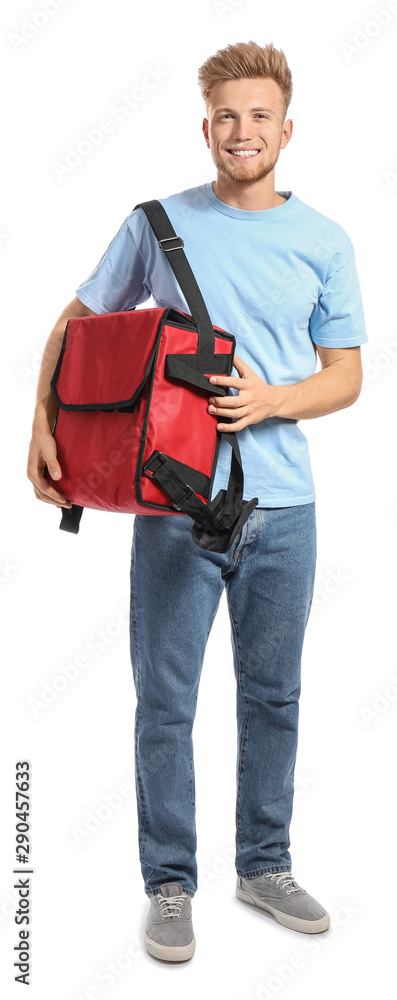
(43, 452)
(256, 399)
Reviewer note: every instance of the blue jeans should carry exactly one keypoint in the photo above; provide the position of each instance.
(176, 587)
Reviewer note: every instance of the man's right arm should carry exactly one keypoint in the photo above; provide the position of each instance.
(42, 450)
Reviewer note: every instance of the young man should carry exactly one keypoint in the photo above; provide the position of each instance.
(281, 277)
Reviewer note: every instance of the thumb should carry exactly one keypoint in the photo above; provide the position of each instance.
(50, 458)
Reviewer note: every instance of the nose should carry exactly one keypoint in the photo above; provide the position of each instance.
(241, 130)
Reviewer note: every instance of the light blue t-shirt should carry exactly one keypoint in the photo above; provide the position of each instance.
(279, 279)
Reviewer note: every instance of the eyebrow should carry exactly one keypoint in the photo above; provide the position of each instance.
(272, 112)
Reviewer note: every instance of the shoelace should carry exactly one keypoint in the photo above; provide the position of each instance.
(285, 878)
(167, 903)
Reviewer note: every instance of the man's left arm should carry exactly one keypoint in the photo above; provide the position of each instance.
(336, 386)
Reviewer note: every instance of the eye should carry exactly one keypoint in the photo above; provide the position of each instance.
(258, 115)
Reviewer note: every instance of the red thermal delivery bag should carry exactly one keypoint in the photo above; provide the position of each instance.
(133, 432)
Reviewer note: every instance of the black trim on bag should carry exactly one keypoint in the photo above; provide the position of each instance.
(176, 319)
(121, 404)
(138, 469)
(59, 362)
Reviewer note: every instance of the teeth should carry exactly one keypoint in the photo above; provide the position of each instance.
(243, 152)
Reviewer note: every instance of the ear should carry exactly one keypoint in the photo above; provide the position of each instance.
(287, 132)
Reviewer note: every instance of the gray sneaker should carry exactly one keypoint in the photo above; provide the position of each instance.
(169, 929)
(279, 894)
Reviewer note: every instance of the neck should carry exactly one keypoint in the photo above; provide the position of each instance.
(249, 197)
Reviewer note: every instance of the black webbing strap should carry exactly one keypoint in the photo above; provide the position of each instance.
(182, 474)
(217, 522)
(173, 248)
(190, 368)
(183, 496)
(222, 541)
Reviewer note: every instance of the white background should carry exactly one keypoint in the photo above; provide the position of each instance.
(88, 906)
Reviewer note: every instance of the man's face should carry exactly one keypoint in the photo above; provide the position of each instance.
(246, 114)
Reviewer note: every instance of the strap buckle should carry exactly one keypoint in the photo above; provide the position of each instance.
(188, 488)
(167, 240)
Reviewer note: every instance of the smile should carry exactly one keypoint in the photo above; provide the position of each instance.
(244, 153)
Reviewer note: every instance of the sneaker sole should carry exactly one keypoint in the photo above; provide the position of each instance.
(294, 923)
(170, 953)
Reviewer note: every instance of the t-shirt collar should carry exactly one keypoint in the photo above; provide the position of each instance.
(255, 216)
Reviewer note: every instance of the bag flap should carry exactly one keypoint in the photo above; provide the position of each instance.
(105, 359)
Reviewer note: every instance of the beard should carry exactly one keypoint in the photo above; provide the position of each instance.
(241, 175)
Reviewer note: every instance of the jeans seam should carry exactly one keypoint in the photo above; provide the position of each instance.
(192, 796)
(134, 630)
(245, 724)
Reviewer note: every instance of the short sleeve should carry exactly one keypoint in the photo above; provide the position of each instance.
(119, 279)
(338, 318)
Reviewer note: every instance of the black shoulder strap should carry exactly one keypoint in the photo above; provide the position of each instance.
(172, 245)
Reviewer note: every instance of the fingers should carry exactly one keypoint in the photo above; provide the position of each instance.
(235, 425)
(42, 458)
(225, 411)
(237, 420)
(49, 491)
(53, 498)
(224, 402)
(47, 499)
(225, 381)
(43, 491)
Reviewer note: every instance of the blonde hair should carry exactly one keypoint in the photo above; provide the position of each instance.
(246, 59)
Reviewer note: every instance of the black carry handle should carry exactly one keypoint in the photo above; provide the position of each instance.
(71, 518)
(190, 368)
